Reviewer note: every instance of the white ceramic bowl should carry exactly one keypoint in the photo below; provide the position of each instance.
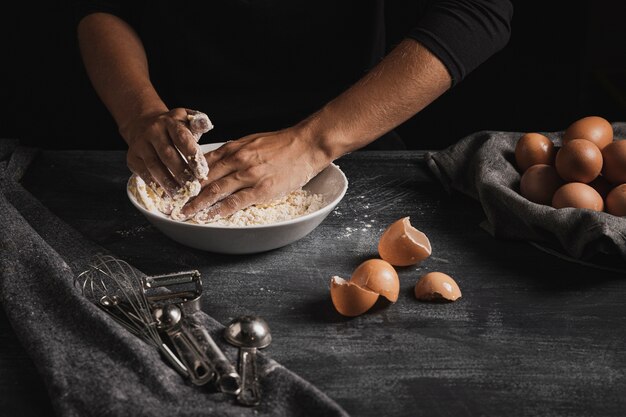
(331, 183)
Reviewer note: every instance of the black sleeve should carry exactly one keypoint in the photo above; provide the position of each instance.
(121, 9)
(464, 33)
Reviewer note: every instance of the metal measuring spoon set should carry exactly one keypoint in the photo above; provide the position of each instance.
(162, 309)
(174, 314)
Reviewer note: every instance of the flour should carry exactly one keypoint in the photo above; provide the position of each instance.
(155, 199)
(295, 204)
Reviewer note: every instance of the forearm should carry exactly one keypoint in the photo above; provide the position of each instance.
(401, 85)
(116, 63)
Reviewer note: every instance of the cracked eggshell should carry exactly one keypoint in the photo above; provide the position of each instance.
(378, 276)
(349, 299)
(403, 245)
(437, 286)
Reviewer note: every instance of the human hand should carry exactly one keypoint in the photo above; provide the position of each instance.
(256, 169)
(154, 142)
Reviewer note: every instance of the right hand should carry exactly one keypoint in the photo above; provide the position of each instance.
(154, 142)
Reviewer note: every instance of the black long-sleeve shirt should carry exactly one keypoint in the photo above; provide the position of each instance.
(257, 65)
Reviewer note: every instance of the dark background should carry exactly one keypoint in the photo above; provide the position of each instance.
(563, 62)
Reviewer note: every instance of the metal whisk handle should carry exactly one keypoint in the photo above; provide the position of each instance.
(173, 360)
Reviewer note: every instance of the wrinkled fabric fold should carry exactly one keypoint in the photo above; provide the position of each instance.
(91, 366)
(482, 165)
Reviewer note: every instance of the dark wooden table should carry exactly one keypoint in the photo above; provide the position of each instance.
(532, 335)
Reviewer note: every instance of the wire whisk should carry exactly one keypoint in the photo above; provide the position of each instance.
(160, 312)
(114, 286)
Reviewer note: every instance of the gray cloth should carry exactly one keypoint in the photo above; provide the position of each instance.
(482, 166)
(91, 365)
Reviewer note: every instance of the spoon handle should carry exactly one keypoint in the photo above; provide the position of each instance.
(199, 368)
(228, 380)
(250, 393)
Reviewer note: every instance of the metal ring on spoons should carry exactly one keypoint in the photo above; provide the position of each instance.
(249, 333)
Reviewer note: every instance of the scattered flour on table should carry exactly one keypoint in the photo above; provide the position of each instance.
(295, 204)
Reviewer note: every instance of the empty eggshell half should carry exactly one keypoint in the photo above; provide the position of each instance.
(401, 244)
(437, 286)
(349, 299)
(378, 276)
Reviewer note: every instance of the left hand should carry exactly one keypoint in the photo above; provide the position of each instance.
(256, 169)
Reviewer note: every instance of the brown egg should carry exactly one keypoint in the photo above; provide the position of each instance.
(349, 299)
(532, 149)
(401, 244)
(539, 183)
(601, 185)
(616, 201)
(592, 128)
(437, 286)
(614, 155)
(579, 161)
(577, 195)
(378, 276)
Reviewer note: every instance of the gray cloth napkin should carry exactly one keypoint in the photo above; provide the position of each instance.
(90, 364)
(482, 166)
